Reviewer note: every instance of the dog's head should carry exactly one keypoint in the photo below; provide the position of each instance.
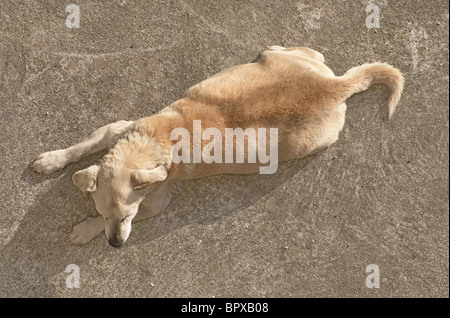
(117, 193)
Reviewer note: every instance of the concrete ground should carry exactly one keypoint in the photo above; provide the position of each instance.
(378, 196)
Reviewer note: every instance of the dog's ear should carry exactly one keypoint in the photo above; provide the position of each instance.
(86, 179)
(142, 178)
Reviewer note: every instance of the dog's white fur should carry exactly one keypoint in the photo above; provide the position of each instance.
(286, 88)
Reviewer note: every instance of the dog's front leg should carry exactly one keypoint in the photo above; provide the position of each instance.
(157, 201)
(85, 231)
(100, 139)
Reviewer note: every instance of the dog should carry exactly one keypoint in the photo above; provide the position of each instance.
(290, 89)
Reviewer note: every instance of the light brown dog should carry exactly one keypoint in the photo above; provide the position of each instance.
(290, 89)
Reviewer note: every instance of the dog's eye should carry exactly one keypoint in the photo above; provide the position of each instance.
(106, 219)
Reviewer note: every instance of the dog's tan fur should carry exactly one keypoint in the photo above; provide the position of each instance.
(288, 89)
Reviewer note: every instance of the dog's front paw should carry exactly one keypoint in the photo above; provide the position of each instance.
(85, 231)
(51, 161)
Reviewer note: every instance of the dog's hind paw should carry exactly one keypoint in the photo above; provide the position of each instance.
(51, 161)
(85, 231)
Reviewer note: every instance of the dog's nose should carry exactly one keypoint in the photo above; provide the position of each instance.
(115, 243)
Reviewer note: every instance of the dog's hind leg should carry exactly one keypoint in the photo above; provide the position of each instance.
(100, 139)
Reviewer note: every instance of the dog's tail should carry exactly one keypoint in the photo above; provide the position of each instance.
(360, 78)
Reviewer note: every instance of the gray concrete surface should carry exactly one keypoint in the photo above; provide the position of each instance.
(378, 196)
